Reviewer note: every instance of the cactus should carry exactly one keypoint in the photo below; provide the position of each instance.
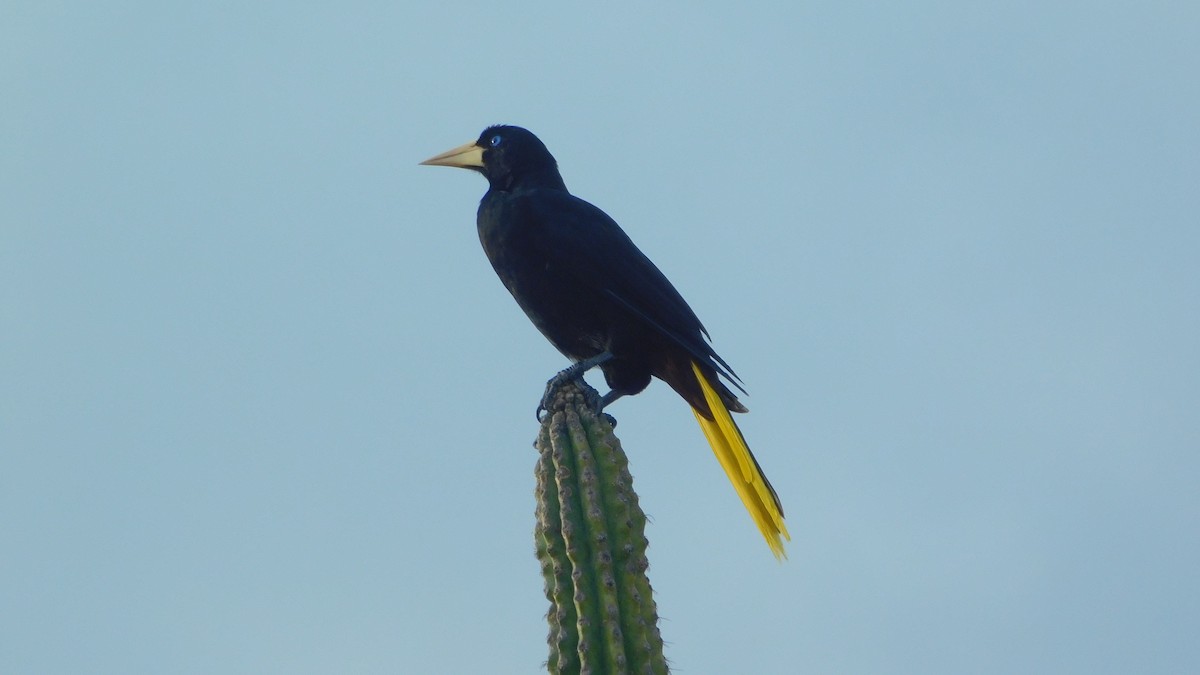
(591, 543)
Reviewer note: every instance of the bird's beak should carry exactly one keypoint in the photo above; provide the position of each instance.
(469, 156)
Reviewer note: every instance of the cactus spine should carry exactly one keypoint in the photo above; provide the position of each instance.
(591, 543)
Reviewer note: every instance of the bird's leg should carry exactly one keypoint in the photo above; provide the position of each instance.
(603, 402)
(611, 396)
(569, 374)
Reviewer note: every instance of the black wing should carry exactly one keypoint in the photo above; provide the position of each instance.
(603, 257)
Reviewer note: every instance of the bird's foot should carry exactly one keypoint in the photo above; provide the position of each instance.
(591, 397)
(552, 386)
(573, 373)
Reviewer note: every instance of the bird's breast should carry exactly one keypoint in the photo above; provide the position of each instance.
(567, 313)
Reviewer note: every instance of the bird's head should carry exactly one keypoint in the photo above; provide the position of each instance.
(507, 156)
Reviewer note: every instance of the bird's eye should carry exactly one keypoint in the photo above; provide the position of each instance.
(496, 140)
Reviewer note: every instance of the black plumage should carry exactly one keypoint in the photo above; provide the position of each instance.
(600, 300)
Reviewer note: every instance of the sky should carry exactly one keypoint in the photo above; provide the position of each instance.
(264, 407)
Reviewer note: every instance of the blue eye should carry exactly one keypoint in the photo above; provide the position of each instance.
(495, 140)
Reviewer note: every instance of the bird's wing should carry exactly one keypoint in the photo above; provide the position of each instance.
(603, 257)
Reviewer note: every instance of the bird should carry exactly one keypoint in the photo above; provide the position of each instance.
(601, 302)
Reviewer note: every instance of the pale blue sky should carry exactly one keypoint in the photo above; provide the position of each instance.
(264, 407)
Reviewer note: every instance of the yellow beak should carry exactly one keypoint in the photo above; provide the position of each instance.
(469, 156)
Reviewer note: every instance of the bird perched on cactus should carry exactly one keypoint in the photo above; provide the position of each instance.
(603, 303)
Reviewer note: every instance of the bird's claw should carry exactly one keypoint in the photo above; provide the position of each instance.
(574, 373)
(591, 397)
(552, 386)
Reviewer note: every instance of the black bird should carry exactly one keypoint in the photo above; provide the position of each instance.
(601, 302)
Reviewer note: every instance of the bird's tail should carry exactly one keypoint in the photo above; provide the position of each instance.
(741, 467)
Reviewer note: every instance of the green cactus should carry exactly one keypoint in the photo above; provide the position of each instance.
(591, 543)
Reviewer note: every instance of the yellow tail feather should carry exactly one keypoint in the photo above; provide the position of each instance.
(734, 455)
